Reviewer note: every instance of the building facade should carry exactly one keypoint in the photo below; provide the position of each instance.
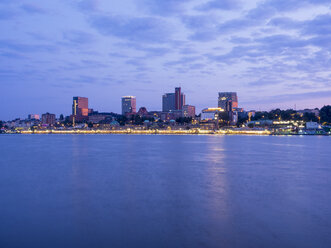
(142, 112)
(48, 119)
(173, 101)
(227, 100)
(128, 105)
(211, 114)
(168, 102)
(33, 117)
(188, 111)
(80, 108)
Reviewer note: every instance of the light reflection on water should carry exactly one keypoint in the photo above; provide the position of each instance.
(164, 191)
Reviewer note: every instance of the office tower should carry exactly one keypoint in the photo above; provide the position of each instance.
(128, 105)
(188, 111)
(173, 101)
(178, 102)
(168, 102)
(80, 106)
(227, 100)
(48, 119)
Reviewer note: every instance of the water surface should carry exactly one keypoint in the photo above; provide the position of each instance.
(165, 191)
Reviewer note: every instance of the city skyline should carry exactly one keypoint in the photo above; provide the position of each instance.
(85, 110)
(274, 54)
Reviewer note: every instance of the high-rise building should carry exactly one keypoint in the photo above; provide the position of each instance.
(227, 100)
(178, 102)
(48, 119)
(128, 105)
(188, 111)
(80, 108)
(173, 101)
(168, 102)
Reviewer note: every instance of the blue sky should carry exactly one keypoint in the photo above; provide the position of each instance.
(273, 53)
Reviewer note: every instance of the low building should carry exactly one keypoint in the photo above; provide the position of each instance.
(172, 115)
(142, 112)
(210, 114)
(310, 111)
(96, 118)
(313, 125)
(33, 117)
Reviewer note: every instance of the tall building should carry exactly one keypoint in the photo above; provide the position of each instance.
(128, 105)
(227, 100)
(48, 119)
(80, 106)
(188, 111)
(173, 101)
(168, 102)
(80, 109)
(178, 102)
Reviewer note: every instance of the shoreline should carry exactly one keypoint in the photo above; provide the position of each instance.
(166, 132)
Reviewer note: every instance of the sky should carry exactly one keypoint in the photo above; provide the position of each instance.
(273, 53)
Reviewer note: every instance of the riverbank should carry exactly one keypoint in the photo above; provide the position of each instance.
(153, 131)
(193, 131)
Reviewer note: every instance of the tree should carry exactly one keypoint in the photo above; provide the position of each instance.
(182, 120)
(1, 124)
(137, 120)
(242, 120)
(309, 117)
(122, 119)
(287, 114)
(325, 114)
(260, 116)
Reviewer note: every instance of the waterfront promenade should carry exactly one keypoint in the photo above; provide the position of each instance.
(151, 131)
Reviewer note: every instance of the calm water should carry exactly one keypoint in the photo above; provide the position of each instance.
(164, 191)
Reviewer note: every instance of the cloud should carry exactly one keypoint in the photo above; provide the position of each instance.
(187, 60)
(6, 13)
(32, 9)
(235, 25)
(137, 29)
(285, 23)
(299, 96)
(219, 5)
(87, 5)
(11, 55)
(163, 8)
(240, 40)
(78, 37)
(203, 36)
(118, 55)
(265, 10)
(237, 54)
(204, 27)
(318, 26)
(150, 50)
(26, 48)
(264, 82)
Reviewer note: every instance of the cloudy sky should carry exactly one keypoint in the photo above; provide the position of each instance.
(273, 53)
